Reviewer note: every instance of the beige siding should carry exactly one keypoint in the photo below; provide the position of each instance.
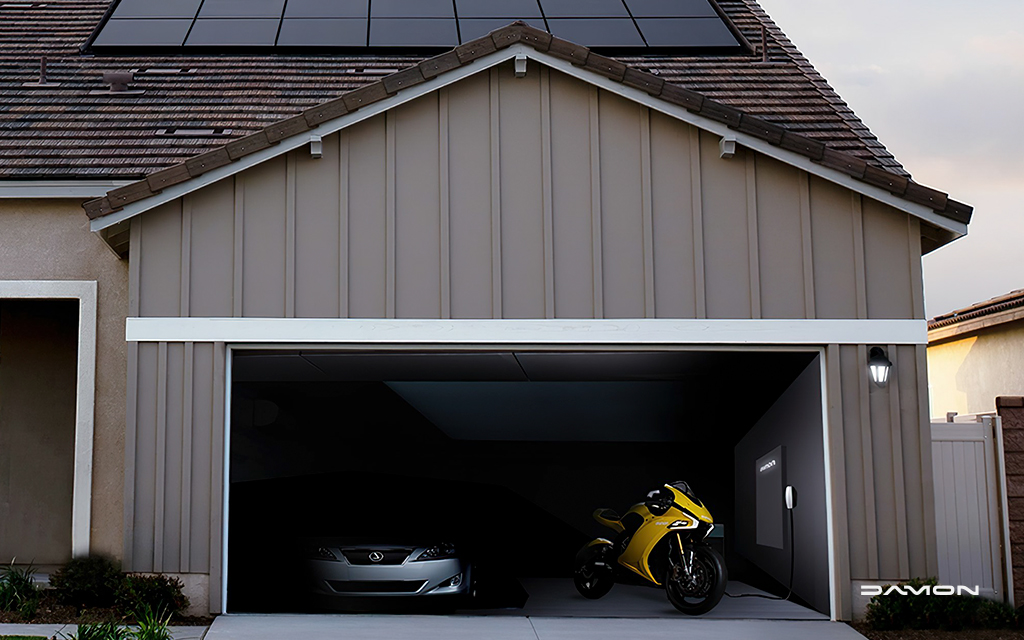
(526, 198)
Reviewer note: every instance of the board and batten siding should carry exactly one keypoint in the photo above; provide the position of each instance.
(534, 197)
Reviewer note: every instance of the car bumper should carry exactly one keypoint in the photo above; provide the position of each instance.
(411, 579)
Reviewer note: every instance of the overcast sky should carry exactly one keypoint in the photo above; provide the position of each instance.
(941, 83)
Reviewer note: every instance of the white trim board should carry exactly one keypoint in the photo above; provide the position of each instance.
(511, 342)
(580, 73)
(85, 394)
(74, 189)
(640, 331)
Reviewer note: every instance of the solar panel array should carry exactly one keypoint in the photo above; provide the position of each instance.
(397, 24)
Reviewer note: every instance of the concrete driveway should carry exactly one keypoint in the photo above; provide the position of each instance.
(394, 627)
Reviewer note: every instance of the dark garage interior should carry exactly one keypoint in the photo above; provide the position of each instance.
(506, 455)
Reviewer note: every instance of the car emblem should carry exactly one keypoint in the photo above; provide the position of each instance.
(376, 556)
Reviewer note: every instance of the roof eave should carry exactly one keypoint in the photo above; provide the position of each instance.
(503, 44)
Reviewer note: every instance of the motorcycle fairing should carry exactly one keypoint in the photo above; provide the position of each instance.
(656, 526)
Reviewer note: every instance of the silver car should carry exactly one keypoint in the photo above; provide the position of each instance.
(380, 570)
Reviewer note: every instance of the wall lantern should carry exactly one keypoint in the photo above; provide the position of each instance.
(879, 365)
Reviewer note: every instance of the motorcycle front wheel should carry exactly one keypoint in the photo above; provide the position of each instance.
(701, 590)
(593, 577)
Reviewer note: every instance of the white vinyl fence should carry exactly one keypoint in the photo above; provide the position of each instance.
(970, 506)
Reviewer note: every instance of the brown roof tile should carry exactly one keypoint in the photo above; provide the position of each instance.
(67, 132)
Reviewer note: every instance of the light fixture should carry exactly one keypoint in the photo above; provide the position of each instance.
(879, 365)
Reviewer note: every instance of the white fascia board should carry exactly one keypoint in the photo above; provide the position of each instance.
(580, 73)
(539, 332)
(70, 189)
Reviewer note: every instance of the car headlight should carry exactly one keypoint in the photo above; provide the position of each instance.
(438, 552)
(322, 553)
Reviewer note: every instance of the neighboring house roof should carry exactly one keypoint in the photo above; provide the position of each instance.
(982, 315)
(66, 131)
(758, 129)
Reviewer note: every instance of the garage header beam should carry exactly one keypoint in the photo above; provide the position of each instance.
(568, 332)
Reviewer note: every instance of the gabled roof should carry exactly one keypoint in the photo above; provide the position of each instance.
(66, 131)
(1002, 309)
(710, 114)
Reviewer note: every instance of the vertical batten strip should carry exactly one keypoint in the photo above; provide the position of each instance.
(343, 188)
(925, 443)
(130, 438)
(868, 462)
(916, 275)
(444, 192)
(186, 255)
(160, 463)
(837, 474)
(699, 282)
(186, 460)
(647, 207)
(899, 480)
(131, 400)
(289, 235)
(239, 228)
(546, 195)
(595, 203)
(217, 479)
(807, 244)
(753, 258)
(496, 311)
(135, 267)
(859, 267)
(390, 259)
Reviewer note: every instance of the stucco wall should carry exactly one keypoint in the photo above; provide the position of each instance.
(50, 240)
(966, 375)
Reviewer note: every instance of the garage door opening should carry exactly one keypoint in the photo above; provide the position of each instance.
(499, 460)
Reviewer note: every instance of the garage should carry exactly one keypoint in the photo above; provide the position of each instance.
(467, 339)
(505, 454)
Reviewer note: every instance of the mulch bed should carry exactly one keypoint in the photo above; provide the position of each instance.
(937, 634)
(52, 612)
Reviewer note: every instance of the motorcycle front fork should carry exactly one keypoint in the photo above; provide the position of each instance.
(685, 558)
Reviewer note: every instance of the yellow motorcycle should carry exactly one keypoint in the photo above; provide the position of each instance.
(663, 542)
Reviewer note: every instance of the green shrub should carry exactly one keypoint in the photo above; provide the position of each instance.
(87, 582)
(157, 593)
(894, 611)
(152, 624)
(18, 591)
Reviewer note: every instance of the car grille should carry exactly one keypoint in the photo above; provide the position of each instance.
(362, 556)
(376, 586)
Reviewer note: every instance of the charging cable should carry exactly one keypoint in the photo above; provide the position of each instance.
(790, 503)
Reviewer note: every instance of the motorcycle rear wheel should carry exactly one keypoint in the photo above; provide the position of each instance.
(705, 590)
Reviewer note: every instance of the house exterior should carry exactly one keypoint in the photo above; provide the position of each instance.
(975, 355)
(520, 192)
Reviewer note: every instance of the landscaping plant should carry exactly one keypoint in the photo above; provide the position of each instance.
(152, 624)
(101, 631)
(87, 582)
(139, 592)
(18, 591)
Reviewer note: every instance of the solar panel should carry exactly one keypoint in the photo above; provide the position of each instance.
(633, 26)
(322, 32)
